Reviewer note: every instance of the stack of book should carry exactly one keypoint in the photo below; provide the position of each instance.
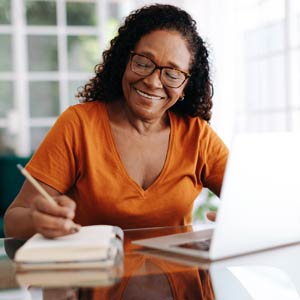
(92, 256)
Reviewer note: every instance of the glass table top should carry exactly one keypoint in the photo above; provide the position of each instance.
(153, 274)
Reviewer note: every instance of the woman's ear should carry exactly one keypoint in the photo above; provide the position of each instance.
(181, 98)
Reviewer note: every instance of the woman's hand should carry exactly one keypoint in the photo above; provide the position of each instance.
(53, 220)
(30, 213)
(211, 216)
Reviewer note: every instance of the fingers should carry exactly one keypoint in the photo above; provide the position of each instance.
(211, 216)
(65, 207)
(53, 220)
(53, 233)
(52, 226)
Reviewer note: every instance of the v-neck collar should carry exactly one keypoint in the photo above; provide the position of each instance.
(120, 163)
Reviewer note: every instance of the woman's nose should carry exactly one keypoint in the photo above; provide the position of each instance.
(153, 79)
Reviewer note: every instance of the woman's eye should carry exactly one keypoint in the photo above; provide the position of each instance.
(172, 75)
(143, 65)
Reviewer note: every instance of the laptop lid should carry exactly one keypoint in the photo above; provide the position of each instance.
(260, 205)
(260, 202)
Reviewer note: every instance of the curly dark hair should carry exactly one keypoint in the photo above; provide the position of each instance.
(107, 84)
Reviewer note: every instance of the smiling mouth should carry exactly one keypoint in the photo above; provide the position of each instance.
(151, 97)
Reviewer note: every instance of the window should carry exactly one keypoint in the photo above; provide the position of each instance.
(48, 50)
(271, 51)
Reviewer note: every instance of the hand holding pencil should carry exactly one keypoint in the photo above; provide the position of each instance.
(52, 216)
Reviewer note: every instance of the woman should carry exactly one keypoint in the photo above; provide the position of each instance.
(139, 149)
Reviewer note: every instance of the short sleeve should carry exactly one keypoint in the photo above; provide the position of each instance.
(54, 162)
(214, 154)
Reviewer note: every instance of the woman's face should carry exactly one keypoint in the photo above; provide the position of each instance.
(146, 96)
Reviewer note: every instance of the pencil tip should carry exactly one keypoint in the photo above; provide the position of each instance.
(20, 167)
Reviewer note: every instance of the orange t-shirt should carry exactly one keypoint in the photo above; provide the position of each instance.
(79, 158)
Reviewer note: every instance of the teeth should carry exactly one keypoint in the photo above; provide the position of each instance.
(148, 96)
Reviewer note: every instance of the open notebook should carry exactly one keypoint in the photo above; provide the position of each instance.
(92, 247)
(260, 202)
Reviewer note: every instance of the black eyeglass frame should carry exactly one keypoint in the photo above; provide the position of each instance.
(187, 75)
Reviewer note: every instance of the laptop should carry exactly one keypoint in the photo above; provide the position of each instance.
(260, 201)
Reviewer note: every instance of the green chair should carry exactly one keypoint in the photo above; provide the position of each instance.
(11, 181)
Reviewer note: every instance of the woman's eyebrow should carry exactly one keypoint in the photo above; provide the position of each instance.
(151, 56)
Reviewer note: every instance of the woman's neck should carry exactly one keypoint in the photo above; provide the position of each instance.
(120, 115)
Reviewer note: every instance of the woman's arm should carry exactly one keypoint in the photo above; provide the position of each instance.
(30, 213)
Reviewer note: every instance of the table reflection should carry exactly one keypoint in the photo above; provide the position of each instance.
(138, 276)
(153, 274)
(153, 278)
(146, 278)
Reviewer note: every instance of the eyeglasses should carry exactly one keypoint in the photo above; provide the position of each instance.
(144, 66)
